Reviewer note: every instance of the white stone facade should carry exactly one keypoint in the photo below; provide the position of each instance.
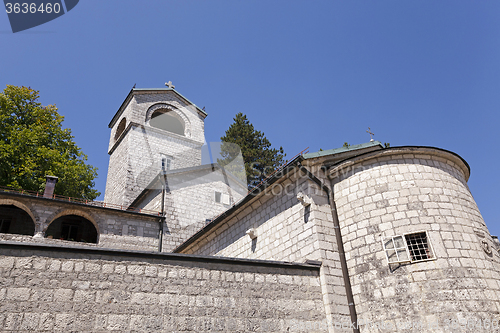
(286, 231)
(388, 192)
(190, 203)
(408, 191)
(306, 241)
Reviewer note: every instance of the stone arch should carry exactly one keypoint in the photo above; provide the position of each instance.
(166, 121)
(27, 225)
(72, 225)
(80, 213)
(20, 205)
(173, 111)
(120, 128)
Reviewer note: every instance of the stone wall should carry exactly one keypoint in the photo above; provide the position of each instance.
(136, 160)
(118, 175)
(284, 231)
(54, 289)
(146, 147)
(403, 191)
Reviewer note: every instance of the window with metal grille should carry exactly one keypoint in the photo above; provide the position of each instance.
(418, 246)
(408, 248)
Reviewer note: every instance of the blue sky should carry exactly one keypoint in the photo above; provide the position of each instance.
(307, 73)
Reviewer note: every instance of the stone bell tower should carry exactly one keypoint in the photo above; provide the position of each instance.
(153, 129)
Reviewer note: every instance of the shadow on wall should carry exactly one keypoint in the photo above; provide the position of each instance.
(14, 220)
(72, 228)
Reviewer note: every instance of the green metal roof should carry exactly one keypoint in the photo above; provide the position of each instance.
(342, 149)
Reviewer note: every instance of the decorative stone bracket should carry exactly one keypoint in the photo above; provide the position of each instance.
(252, 233)
(304, 199)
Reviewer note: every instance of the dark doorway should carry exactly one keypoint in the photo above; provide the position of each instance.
(72, 228)
(14, 220)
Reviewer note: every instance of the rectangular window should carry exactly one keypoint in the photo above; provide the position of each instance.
(225, 199)
(166, 162)
(408, 248)
(395, 250)
(418, 246)
(218, 197)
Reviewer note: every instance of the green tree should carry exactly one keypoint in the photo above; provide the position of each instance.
(260, 159)
(34, 144)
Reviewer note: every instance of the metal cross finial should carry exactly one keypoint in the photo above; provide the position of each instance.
(371, 134)
(170, 85)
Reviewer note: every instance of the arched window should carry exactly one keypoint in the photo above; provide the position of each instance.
(14, 220)
(120, 128)
(72, 228)
(163, 119)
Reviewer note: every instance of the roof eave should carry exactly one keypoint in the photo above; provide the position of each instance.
(133, 90)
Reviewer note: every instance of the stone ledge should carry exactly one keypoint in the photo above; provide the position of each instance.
(156, 255)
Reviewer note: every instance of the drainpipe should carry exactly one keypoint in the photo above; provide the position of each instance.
(162, 217)
(340, 247)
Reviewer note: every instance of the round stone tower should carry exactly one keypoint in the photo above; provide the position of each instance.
(417, 248)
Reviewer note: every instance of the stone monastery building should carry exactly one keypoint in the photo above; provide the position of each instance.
(357, 239)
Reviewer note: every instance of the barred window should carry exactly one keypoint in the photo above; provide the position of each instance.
(418, 246)
(408, 248)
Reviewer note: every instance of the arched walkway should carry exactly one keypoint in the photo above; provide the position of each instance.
(72, 227)
(16, 218)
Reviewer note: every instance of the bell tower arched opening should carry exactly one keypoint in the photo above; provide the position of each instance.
(121, 128)
(165, 120)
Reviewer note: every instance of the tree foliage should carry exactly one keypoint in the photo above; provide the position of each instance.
(34, 144)
(260, 159)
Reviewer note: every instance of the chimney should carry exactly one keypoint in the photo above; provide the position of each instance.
(50, 184)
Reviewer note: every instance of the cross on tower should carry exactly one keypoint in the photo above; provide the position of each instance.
(371, 134)
(170, 85)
